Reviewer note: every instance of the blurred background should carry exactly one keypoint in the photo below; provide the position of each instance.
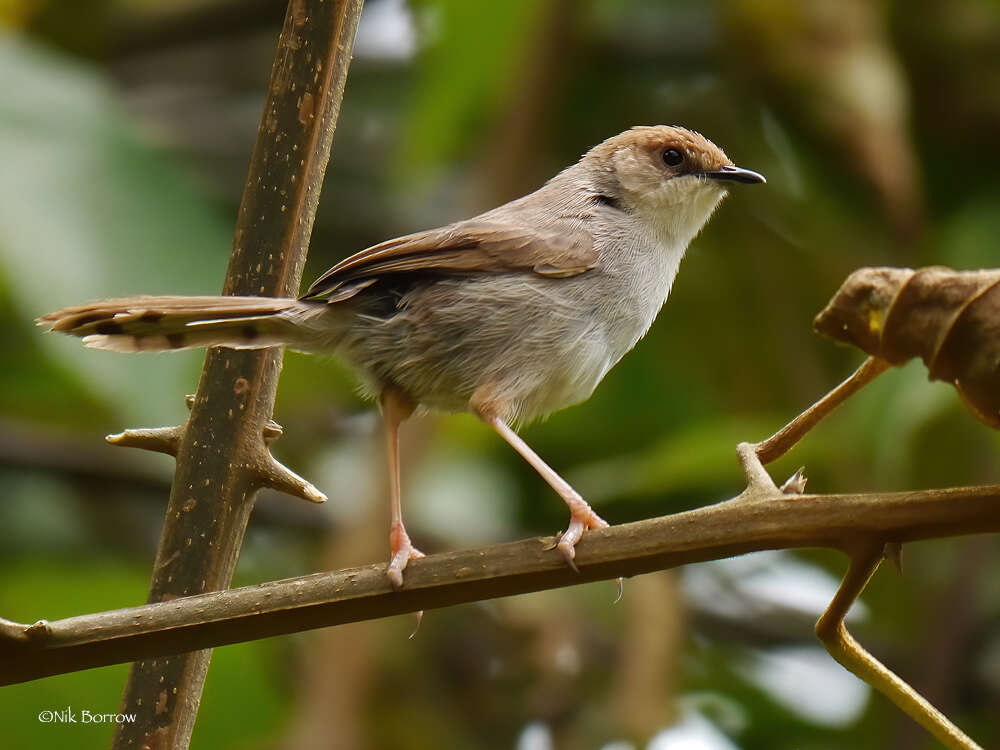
(125, 133)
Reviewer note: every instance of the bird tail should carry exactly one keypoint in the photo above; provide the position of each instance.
(139, 324)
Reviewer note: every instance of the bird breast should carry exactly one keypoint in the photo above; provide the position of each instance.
(534, 344)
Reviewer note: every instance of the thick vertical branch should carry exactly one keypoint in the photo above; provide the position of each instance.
(222, 455)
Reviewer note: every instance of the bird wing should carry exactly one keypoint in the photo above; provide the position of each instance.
(561, 250)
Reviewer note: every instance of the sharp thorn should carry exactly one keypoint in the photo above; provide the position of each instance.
(796, 483)
(38, 630)
(159, 439)
(272, 431)
(279, 477)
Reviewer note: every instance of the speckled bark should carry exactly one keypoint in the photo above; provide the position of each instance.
(222, 456)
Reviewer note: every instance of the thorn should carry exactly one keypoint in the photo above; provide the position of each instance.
(189, 401)
(272, 431)
(894, 553)
(279, 477)
(621, 590)
(159, 439)
(38, 630)
(796, 483)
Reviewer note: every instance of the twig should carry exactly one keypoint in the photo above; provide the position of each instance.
(26, 447)
(778, 521)
(784, 439)
(866, 552)
(844, 648)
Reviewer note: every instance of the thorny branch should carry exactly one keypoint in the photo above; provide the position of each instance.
(765, 521)
(832, 631)
(222, 451)
(866, 553)
(764, 516)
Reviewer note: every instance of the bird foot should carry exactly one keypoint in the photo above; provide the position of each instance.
(402, 552)
(582, 518)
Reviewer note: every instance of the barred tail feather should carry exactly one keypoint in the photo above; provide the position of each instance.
(139, 324)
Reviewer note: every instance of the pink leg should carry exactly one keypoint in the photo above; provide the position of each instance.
(395, 408)
(582, 516)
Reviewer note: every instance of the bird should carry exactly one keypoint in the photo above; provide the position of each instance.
(510, 315)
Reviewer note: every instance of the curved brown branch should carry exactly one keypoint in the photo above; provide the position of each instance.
(832, 631)
(866, 552)
(777, 521)
(784, 439)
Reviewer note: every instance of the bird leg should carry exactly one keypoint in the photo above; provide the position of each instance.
(396, 407)
(582, 516)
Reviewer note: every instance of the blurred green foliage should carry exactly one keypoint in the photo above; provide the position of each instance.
(124, 141)
(87, 205)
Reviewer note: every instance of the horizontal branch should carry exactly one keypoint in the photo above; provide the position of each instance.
(734, 527)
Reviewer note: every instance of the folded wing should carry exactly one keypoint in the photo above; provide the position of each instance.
(471, 247)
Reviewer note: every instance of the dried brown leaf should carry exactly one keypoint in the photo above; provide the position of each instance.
(950, 319)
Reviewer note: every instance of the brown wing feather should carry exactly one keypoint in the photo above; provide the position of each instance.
(467, 247)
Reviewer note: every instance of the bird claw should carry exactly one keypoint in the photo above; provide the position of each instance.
(580, 520)
(402, 552)
(416, 627)
(568, 551)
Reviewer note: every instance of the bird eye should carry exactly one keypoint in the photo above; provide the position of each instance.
(672, 157)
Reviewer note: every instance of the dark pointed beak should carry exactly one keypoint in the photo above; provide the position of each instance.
(734, 174)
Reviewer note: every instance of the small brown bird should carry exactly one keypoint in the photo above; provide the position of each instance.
(512, 314)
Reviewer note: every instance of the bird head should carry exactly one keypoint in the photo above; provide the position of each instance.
(671, 177)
